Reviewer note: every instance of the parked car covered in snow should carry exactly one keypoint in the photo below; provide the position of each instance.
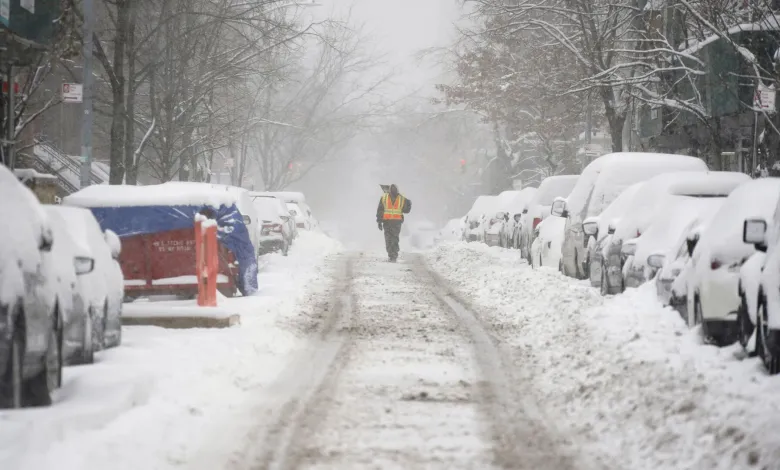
(599, 230)
(296, 203)
(78, 337)
(514, 207)
(690, 202)
(474, 229)
(274, 223)
(539, 209)
(654, 198)
(105, 291)
(758, 318)
(281, 209)
(713, 287)
(31, 323)
(598, 185)
(546, 248)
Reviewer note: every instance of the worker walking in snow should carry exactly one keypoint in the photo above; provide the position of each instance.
(390, 216)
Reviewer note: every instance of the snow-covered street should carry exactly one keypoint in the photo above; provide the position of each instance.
(461, 357)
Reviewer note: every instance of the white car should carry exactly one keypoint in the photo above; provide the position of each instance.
(599, 230)
(539, 209)
(713, 294)
(274, 224)
(105, 291)
(282, 209)
(474, 230)
(546, 248)
(655, 197)
(300, 217)
(598, 185)
(78, 337)
(689, 202)
(513, 207)
(31, 323)
(758, 317)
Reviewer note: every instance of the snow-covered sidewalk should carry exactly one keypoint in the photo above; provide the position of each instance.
(168, 398)
(624, 374)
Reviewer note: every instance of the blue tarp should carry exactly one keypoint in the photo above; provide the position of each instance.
(232, 233)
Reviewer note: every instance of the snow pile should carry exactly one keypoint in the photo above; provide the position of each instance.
(172, 398)
(624, 374)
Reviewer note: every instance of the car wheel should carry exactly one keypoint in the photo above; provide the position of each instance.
(745, 327)
(11, 386)
(38, 389)
(604, 280)
(87, 347)
(698, 319)
(770, 342)
(99, 330)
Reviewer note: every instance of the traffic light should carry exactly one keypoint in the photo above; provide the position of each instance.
(462, 165)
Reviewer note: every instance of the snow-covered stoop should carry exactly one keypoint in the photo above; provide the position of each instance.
(176, 398)
(624, 375)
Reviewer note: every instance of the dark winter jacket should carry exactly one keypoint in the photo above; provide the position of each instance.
(380, 211)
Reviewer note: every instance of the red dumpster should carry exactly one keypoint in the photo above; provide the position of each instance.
(163, 263)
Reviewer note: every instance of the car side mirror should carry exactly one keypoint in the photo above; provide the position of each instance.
(754, 232)
(114, 243)
(591, 226)
(690, 243)
(558, 208)
(46, 241)
(656, 261)
(83, 265)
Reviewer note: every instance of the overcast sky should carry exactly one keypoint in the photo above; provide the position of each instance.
(399, 29)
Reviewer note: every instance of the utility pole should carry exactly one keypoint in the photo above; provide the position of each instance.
(86, 118)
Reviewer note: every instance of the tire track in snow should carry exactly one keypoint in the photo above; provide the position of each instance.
(522, 437)
(408, 397)
(305, 381)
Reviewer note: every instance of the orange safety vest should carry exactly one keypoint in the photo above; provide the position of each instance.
(393, 211)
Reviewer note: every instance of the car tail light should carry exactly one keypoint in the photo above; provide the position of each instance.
(268, 228)
(536, 222)
(715, 264)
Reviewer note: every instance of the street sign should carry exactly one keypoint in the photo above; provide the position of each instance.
(28, 5)
(229, 163)
(72, 93)
(764, 98)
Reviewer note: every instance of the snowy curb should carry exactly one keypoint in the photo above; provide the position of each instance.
(625, 374)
